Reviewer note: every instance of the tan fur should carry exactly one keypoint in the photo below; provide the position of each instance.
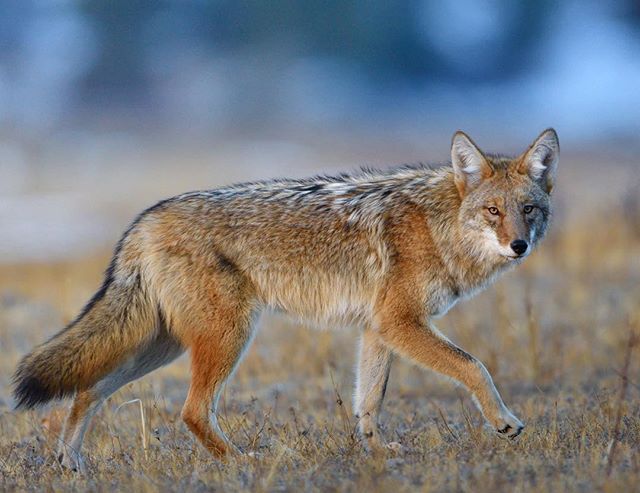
(385, 250)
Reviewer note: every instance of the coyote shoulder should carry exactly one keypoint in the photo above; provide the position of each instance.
(387, 251)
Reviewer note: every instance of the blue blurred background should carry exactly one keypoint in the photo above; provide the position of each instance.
(199, 67)
(107, 105)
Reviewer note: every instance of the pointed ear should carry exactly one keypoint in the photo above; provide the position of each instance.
(470, 166)
(540, 161)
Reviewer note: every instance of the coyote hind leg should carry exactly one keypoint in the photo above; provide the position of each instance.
(85, 404)
(216, 349)
(159, 352)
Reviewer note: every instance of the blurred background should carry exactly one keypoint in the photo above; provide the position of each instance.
(106, 107)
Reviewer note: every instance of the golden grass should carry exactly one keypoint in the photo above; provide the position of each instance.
(553, 333)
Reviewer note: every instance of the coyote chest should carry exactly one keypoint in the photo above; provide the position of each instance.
(438, 306)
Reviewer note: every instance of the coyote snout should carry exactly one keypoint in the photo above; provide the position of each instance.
(519, 247)
(387, 251)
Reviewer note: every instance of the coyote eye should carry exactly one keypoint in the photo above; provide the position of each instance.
(494, 211)
(528, 209)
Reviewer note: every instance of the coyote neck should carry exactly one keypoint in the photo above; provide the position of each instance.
(468, 270)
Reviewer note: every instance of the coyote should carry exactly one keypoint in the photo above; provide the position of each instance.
(387, 251)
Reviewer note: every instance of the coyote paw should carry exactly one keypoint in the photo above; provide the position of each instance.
(72, 462)
(508, 425)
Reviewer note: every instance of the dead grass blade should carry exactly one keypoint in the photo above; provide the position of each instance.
(633, 340)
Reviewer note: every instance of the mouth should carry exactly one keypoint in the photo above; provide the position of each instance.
(515, 257)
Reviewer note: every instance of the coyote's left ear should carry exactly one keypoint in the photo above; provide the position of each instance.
(540, 161)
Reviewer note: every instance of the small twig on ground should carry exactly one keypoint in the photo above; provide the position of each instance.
(533, 329)
(633, 340)
(266, 484)
(344, 414)
(143, 433)
(629, 381)
(446, 425)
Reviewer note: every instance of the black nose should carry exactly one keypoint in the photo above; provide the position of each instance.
(519, 246)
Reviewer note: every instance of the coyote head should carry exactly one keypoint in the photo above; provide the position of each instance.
(505, 202)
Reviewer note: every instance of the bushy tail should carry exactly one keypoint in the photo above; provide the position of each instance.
(111, 327)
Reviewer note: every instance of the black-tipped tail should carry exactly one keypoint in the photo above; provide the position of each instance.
(114, 323)
(30, 392)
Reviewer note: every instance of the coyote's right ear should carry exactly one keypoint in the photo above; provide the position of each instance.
(469, 164)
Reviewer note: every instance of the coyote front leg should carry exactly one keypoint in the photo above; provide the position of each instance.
(374, 363)
(422, 343)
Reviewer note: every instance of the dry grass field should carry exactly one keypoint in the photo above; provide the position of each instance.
(554, 334)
